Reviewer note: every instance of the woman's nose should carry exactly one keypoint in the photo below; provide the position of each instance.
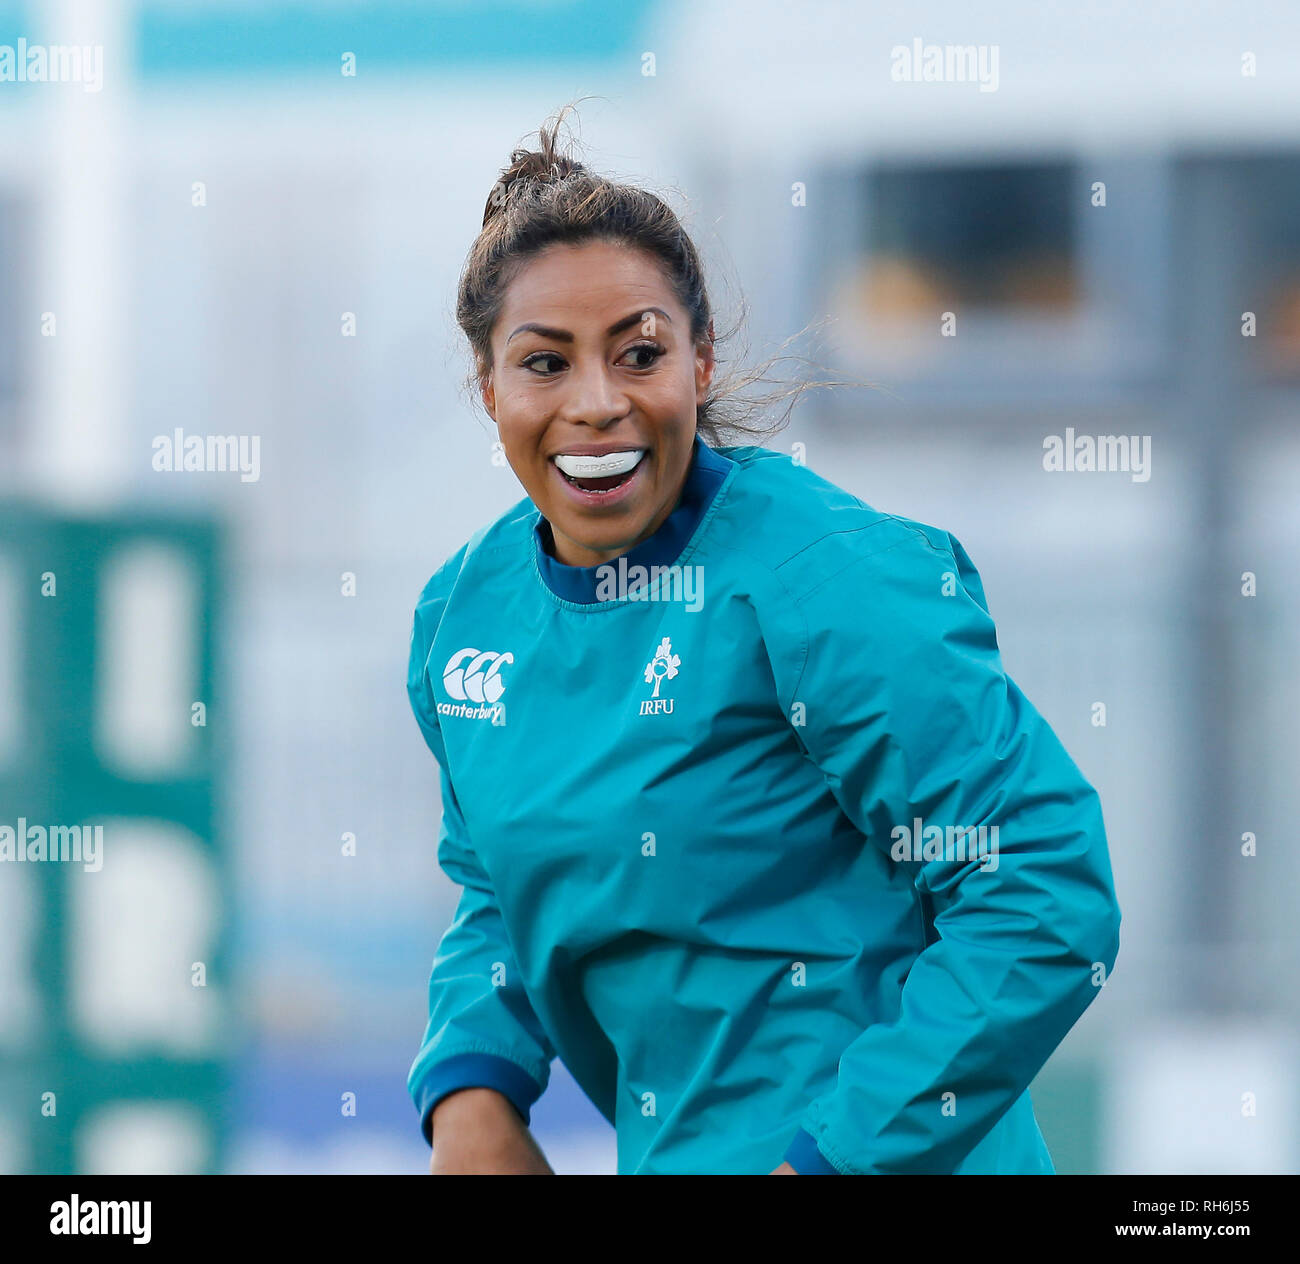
(592, 397)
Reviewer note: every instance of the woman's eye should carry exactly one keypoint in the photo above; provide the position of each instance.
(647, 349)
(544, 363)
(538, 358)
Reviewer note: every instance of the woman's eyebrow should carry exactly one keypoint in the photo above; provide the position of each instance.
(563, 335)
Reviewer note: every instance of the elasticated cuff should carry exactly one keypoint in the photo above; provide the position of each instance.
(806, 1159)
(474, 1070)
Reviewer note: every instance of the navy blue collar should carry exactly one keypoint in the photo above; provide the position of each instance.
(707, 472)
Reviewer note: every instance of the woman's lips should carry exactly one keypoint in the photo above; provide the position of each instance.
(595, 500)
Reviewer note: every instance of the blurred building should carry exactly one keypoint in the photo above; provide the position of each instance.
(253, 228)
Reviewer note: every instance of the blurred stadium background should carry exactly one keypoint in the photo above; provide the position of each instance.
(182, 248)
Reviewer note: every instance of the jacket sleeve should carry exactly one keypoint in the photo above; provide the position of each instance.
(914, 723)
(482, 1031)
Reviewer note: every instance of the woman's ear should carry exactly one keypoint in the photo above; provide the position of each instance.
(705, 363)
(487, 392)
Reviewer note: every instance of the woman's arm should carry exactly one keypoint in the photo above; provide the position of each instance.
(478, 1132)
(911, 718)
(485, 1058)
(482, 1032)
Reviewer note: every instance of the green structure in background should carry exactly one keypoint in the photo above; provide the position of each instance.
(1067, 1097)
(114, 992)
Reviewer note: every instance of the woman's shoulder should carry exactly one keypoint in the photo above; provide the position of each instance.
(492, 547)
(806, 529)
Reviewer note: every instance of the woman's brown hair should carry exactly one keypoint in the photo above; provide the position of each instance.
(545, 197)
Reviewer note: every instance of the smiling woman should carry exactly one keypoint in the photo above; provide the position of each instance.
(673, 821)
(585, 305)
(595, 399)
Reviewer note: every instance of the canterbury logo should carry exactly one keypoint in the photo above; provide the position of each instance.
(474, 676)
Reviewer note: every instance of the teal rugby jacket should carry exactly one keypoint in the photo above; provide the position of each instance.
(763, 843)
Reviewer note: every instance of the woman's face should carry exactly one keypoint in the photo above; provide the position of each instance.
(594, 385)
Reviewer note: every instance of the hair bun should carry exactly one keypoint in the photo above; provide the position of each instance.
(527, 166)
